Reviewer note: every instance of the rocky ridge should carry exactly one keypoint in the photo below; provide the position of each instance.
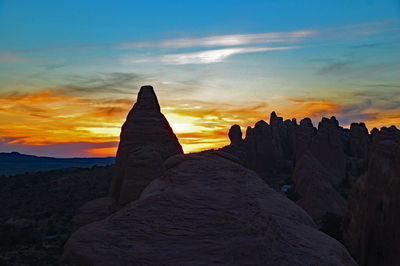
(352, 198)
(372, 214)
(322, 163)
(204, 208)
(346, 179)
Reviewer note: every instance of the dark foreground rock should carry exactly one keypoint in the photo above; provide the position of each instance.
(372, 216)
(205, 209)
(92, 211)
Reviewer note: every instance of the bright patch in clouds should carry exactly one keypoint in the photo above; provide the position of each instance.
(202, 57)
(225, 40)
(231, 42)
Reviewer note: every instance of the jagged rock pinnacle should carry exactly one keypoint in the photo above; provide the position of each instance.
(147, 100)
(146, 141)
(235, 135)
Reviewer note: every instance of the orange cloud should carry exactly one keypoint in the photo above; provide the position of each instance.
(44, 117)
(384, 118)
(51, 117)
(315, 109)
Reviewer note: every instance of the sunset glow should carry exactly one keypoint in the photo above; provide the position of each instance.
(45, 118)
(67, 82)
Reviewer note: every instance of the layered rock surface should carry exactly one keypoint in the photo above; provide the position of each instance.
(206, 209)
(372, 216)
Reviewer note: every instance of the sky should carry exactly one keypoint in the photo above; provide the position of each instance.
(70, 70)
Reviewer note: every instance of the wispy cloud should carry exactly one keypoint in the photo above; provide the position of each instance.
(50, 116)
(10, 57)
(382, 85)
(335, 66)
(115, 82)
(314, 108)
(202, 57)
(367, 45)
(227, 40)
(369, 28)
(371, 106)
(224, 40)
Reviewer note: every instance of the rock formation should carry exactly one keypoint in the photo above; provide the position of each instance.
(303, 136)
(372, 215)
(258, 147)
(358, 140)
(320, 169)
(92, 211)
(358, 151)
(146, 141)
(323, 163)
(327, 147)
(277, 132)
(267, 148)
(317, 194)
(210, 208)
(206, 209)
(235, 135)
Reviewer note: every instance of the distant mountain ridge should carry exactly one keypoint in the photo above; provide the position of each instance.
(16, 163)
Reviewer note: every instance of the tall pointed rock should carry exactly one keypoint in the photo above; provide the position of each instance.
(146, 141)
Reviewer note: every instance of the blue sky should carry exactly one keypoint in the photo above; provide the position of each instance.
(299, 58)
(43, 24)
